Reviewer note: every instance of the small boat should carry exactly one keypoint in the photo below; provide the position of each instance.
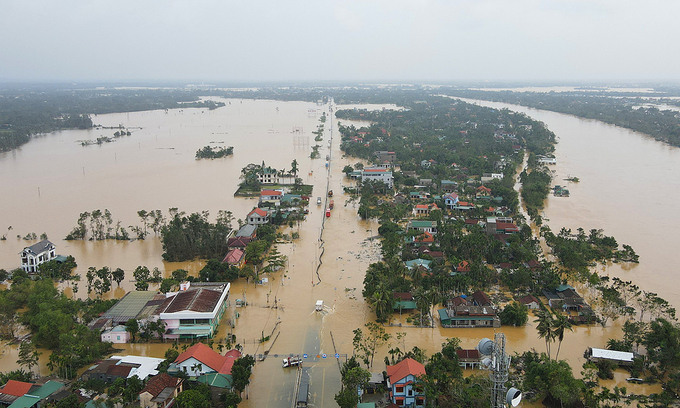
(330, 193)
(318, 201)
(331, 205)
(292, 361)
(635, 380)
(328, 212)
(319, 305)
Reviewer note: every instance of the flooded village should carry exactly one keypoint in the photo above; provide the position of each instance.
(393, 263)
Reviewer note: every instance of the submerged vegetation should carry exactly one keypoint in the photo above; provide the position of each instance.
(216, 152)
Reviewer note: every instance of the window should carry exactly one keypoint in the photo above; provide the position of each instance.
(410, 392)
(399, 401)
(118, 337)
(399, 388)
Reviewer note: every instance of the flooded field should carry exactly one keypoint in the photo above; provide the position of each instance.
(154, 168)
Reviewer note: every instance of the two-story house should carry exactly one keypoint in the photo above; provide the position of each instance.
(36, 254)
(401, 382)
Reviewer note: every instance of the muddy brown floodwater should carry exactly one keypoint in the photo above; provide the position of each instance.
(154, 168)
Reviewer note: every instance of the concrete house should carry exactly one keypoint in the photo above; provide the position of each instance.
(117, 335)
(200, 359)
(378, 174)
(160, 391)
(37, 254)
(401, 382)
(530, 301)
(448, 186)
(195, 312)
(271, 195)
(422, 226)
(450, 200)
(257, 216)
(236, 257)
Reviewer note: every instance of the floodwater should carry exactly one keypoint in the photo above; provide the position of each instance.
(155, 169)
(628, 187)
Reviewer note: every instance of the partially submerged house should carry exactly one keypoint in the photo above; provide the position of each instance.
(37, 254)
(123, 367)
(200, 359)
(469, 316)
(619, 357)
(195, 312)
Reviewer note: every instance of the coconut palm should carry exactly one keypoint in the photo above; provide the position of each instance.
(545, 328)
(560, 324)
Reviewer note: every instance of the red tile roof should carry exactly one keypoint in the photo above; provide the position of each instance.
(403, 295)
(204, 354)
(481, 298)
(425, 237)
(528, 299)
(468, 354)
(463, 266)
(270, 193)
(238, 242)
(257, 211)
(229, 359)
(403, 368)
(16, 388)
(119, 370)
(484, 188)
(158, 383)
(234, 256)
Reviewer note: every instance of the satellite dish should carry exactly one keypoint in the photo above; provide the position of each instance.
(485, 346)
(513, 397)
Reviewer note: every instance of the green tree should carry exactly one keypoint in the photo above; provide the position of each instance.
(132, 327)
(230, 399)
(28, 355)
(515, 313)
(118, 275)
(142, 276)
(560, 324)
(241, 371)
(71, 401)
(545, 328)
(365, 346)
(294, 167)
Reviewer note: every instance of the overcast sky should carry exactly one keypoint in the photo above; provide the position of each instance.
(362, 40)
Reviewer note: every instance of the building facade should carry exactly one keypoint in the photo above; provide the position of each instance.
(37, 254)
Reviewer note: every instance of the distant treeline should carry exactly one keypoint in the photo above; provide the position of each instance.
(208, 152)
(25, 112)
(663, 125)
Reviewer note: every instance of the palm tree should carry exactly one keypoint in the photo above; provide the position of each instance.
(560, 324)
(382, 300)
(545, 328)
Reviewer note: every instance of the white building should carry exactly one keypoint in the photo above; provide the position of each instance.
(195, 312)
(547, 160)
(36, 254)
(378, 174)
(257, 217)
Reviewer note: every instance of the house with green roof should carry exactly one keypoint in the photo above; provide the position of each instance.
(37, 396)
